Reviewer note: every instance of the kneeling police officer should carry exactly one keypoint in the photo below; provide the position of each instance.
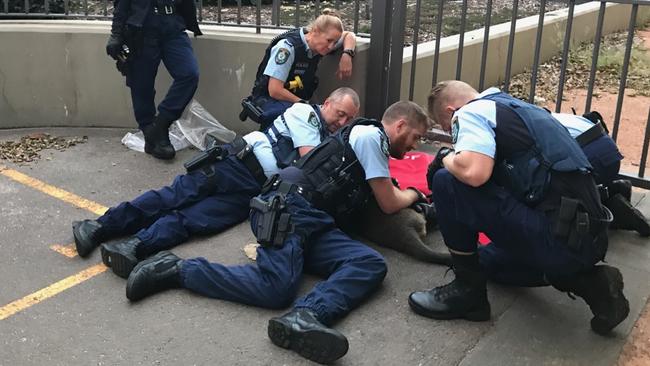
(517, 175)
(294, 221)
(215, 193)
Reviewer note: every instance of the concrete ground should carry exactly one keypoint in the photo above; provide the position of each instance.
(64, 310)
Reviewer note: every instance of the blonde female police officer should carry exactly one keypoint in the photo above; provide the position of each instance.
(296, 53)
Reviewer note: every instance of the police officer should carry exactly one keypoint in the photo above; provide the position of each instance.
(143, 33)
(295, 55)
(591, 134)
(294, 221)
(517, 175)
(216, 194)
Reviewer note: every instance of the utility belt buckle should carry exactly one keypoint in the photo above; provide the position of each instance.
(271, 184)
(243, 153)
(169, 10)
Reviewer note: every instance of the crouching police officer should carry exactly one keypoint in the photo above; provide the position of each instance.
(216, 191)
(591, 134)
(518, 176)
(143, 33)
(294, 221)
(287, 73)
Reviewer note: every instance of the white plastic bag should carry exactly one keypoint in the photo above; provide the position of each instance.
(135, 141)
(196, 123)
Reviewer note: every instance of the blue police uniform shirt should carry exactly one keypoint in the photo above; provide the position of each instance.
(282, 56)
(302, 125)
(370, 145)
(473, 126)
(575, 124)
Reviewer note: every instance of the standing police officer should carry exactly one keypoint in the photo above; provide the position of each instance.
(591, 134)
(294, 221)
(287, 73)
(143, 33)
(518, 176)
(214, 194)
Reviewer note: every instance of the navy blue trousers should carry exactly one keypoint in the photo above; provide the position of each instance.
(351, 269)
(194, 204)
(523, 251)
(272, 110)
(164, 40)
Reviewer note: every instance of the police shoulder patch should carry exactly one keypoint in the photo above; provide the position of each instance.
(282, 56)
(313, 120)
(454, 129)
(383, 141)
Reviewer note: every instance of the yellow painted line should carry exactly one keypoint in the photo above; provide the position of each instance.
(69, 250)
(53, 191)
(52, 290)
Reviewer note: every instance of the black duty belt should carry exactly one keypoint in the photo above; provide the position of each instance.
(164, 9)
(244, 152)
(275, 183)
(593, 133)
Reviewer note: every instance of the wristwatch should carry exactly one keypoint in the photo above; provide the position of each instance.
(349, 51)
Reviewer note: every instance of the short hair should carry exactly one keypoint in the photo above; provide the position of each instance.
(413, 113)
(340, 93)
(441, 95)
(329, 18)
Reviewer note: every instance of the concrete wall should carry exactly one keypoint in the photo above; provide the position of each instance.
(56, 73)
(584, 27)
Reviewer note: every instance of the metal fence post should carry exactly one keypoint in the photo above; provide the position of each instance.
(378, 57)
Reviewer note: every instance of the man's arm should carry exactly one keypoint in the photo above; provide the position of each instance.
(469, 167)
(390, 198)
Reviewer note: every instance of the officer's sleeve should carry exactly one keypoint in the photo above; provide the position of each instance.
(303, 125)
(367, 145)
(472, 131)
(280, 61)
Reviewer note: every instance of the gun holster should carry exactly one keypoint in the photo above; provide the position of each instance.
(209, 156)
(273, 222)
(250, 110)
(576, 226)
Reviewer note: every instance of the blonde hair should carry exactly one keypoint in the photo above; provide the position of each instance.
(411, 112)
(329, 18)
(444, 93)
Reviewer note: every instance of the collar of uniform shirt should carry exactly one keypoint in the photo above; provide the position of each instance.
(310, 53)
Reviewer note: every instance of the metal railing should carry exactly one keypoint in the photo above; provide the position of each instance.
(384, 51)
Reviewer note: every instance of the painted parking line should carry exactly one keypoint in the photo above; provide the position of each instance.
(67, 250)
(51, 290)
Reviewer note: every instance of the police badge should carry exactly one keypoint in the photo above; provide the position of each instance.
(282, 56)
(454, 129)
(313, 120)
(383, 141)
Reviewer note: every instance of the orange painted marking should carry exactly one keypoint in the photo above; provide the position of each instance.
(69, 250)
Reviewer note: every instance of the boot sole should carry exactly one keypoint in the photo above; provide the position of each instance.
(622, 306)
(158, 156)
(315, 345)
(478, 315)
(121, 264)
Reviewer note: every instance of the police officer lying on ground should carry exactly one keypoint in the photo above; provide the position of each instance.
(591, 134)
(294, 221)
(143, 33)
(216, 193)
(296, 53)
(518, 176)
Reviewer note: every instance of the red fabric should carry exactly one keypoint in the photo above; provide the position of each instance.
(412, 172)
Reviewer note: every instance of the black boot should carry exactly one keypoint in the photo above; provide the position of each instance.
(121, 256)
(156, 139)
(602, 290)
(154, 274)
(300, 331)
(626, 216)
(464, 297)
(622, 186)
(88, 234)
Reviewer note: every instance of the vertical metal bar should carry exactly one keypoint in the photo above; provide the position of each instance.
(511, 44)
(565, 56)
(66, 6)
(486, 40)
(379, 52)
(47, 7)
(337, 5)
(416, 33)
(461, 39)
(105, 8)
(396, 51)
(316, 8)
(356, 16)
(297, 13)
(644, 152)
(258, 17)
(538, 46)
(219, 11)
(626, 64)
(26, 6)
(200, 10)
(6, 6)
(436, 55)
(594, 55)
(275, 13)
(238, 11)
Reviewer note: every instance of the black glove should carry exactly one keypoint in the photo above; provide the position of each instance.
(395, 182)
(437, 164)
(114, 45)
(428, 210)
